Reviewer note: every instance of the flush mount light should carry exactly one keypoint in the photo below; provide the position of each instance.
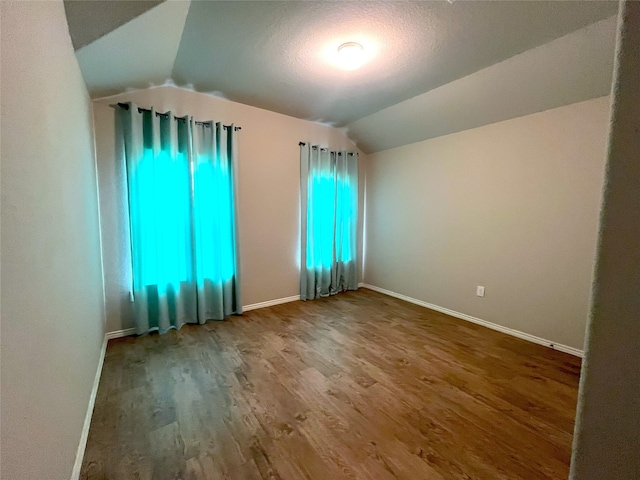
(350, 55)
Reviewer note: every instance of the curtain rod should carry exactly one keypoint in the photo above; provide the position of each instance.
(302, 144)
(140, 110)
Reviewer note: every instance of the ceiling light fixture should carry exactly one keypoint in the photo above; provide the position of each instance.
(350, 55)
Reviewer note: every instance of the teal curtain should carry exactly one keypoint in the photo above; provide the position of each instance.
(329, 221)
(181, 189)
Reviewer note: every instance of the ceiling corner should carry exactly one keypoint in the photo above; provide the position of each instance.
(138, 54)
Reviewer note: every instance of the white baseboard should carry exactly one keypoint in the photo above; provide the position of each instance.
(479, 321)
(277, 301)
(254, 306)
(463, 316)
(120, 333)
(75, 473)
(270, 303)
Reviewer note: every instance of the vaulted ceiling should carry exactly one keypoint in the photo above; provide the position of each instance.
(280, 56)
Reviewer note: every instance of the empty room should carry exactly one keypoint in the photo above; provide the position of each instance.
(320, 240)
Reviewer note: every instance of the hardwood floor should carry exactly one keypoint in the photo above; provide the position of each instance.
(356, 386)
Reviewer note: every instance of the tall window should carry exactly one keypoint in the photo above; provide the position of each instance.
(180, 178)
(329, 199)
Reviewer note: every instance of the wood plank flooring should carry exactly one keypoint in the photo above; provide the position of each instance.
(356, 386)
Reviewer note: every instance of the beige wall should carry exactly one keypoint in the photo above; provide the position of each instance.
(52, 297)
(512, 206)
(606, 443)
(269, 188)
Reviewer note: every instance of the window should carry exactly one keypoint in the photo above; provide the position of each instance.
(329, 199)
(180, 179)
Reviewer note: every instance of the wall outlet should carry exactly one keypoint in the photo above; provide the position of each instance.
(480, 291)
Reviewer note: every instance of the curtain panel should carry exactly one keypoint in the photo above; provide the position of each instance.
(329, 221)
(182, 208)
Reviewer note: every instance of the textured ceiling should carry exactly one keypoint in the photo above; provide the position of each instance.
(278, 55)
(571, 69)
(270, 54)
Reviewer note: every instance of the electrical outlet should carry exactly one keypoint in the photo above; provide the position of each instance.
(480, 291)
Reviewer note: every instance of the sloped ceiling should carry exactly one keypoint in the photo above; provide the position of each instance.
(576, 67)
(278, 56)
(138, 54)
(88, 21)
